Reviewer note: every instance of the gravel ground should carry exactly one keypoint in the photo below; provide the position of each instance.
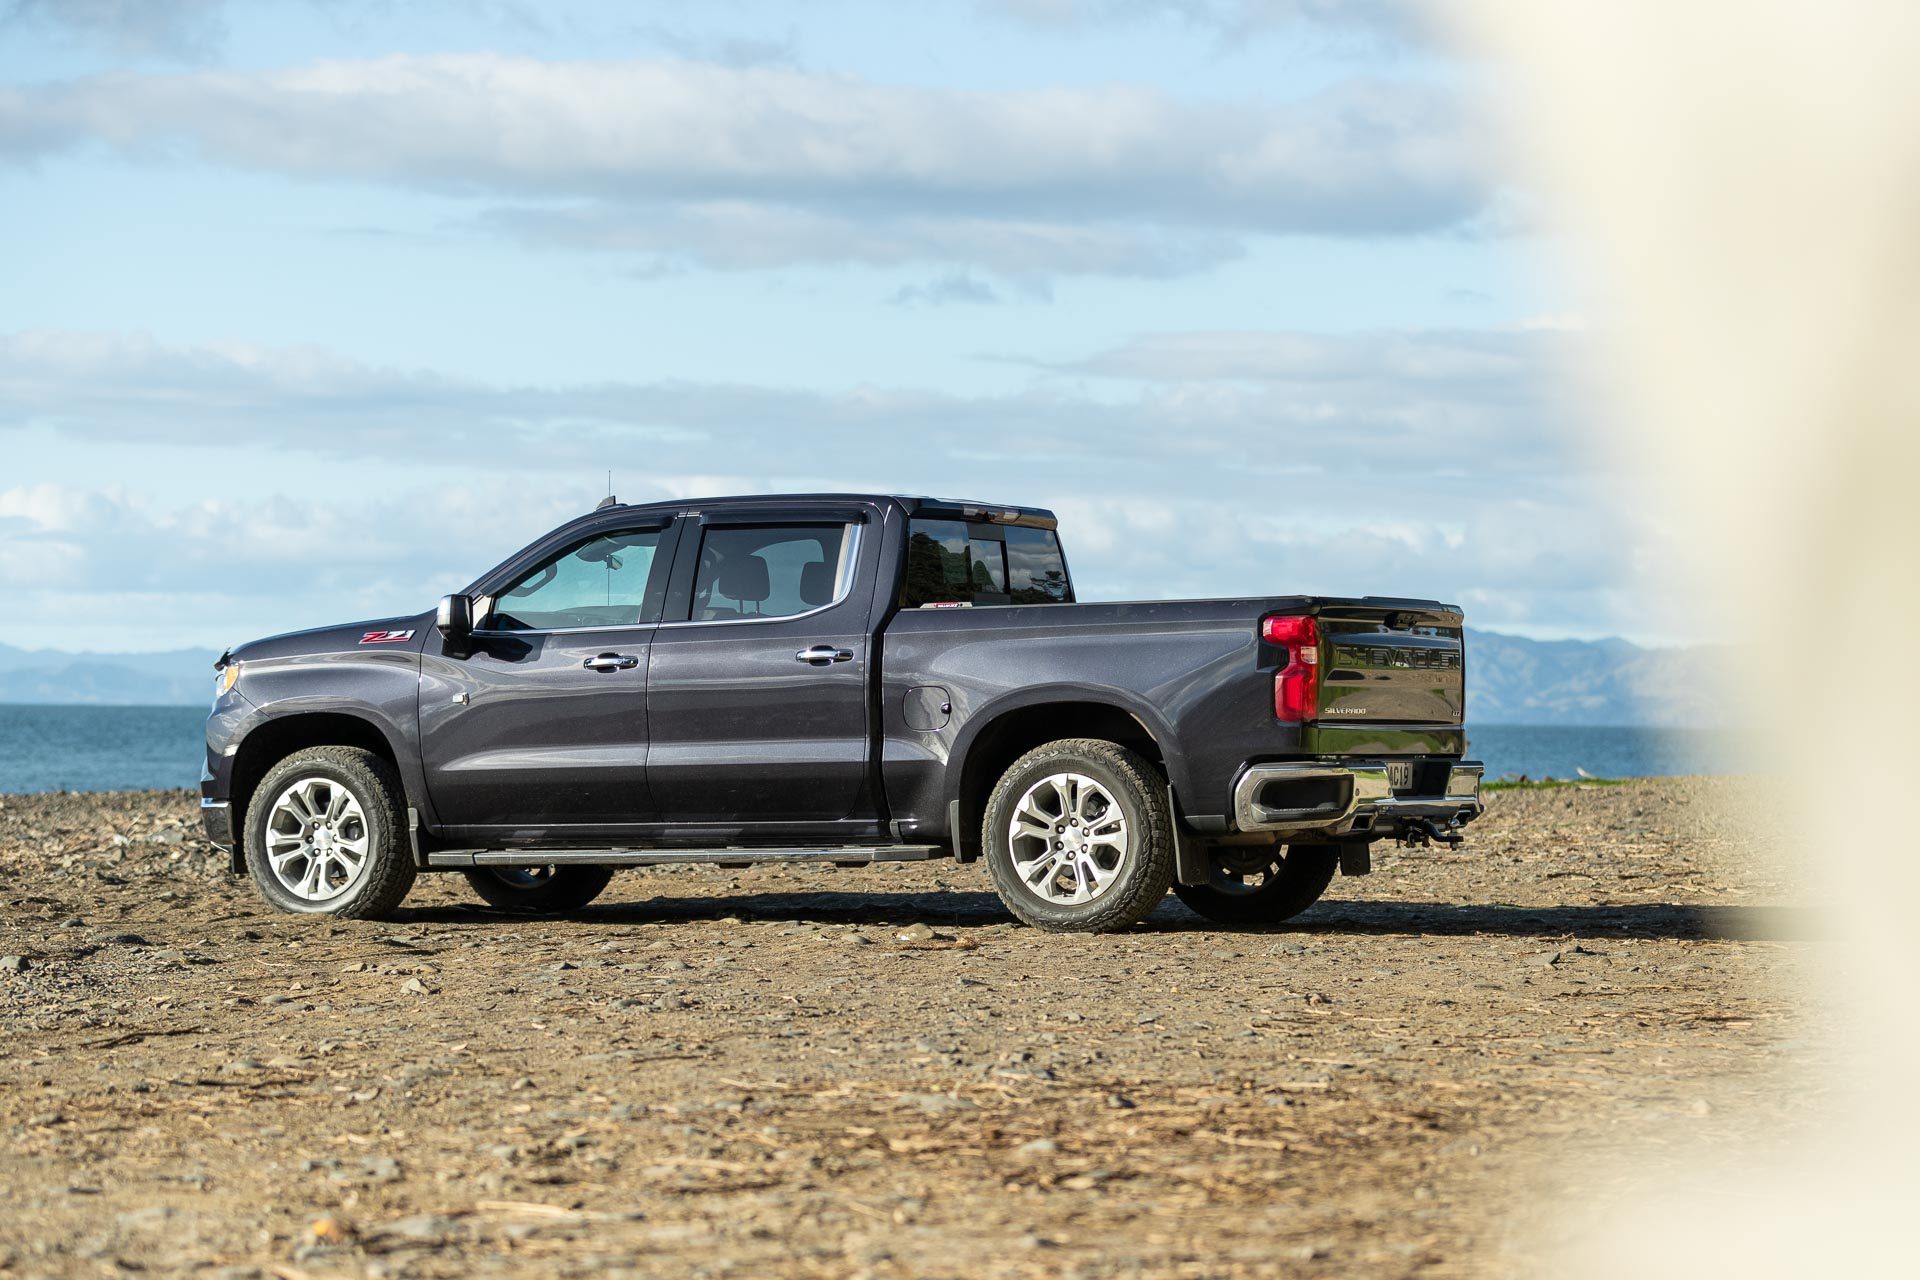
(808, 1071)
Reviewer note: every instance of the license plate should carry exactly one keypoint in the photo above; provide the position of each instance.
(1400, 775)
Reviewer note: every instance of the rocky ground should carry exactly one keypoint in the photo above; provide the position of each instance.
(809, 1071)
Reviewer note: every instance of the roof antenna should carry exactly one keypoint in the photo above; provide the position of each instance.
(608, 500)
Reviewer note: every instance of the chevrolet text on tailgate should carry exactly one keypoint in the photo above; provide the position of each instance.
(842, 678)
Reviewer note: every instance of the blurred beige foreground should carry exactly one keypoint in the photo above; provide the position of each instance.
(1745, 178)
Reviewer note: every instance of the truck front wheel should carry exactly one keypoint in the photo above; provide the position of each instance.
(326, 835)
(1262, 885)
(1079, 838)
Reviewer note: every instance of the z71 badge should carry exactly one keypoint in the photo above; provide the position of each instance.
(385, 637)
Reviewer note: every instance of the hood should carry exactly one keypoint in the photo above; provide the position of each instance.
(405, 634)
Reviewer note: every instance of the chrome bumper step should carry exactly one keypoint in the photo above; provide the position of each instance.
(1346, 799)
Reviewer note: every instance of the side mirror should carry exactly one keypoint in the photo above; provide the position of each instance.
(455, 619)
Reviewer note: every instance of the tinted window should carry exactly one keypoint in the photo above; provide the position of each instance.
(600, 583)
(956, 562)
(768, 572)
(1036, 571)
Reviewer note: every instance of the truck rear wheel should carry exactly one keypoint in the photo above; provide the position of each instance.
(1262, 885)
(539, 891)
(1078, 837)
(326, 835)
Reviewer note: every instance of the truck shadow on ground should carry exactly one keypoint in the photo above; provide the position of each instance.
(963, 909)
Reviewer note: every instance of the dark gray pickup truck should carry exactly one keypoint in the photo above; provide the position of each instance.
(843, 678)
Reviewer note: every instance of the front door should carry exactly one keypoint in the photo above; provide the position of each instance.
(537, 722)
(758, 697)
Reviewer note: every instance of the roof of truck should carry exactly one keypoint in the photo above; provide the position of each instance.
(999, 512)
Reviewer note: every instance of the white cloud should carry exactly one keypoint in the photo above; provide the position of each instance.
(1406, 427)
(1421, 480)
(751, 166)
(185, 29)
(1375, 21)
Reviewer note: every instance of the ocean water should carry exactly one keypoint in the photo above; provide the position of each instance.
(1562, 751)
(129, 748)
(100, 748)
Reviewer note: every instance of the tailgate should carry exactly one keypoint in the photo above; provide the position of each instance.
(1401, 662)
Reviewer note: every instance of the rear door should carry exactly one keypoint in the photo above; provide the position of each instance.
(538, 720)
(757, 690)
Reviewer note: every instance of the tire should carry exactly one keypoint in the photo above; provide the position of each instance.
(357, 803)
(1103, 886)
(539, 891)
(1266, 887)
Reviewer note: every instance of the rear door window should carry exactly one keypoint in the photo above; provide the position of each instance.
(770, 571)
(964, 562)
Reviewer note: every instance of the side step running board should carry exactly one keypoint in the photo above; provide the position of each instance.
(844, 856)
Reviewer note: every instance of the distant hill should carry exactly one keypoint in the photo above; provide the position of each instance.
(1510, 680)
(181, 677)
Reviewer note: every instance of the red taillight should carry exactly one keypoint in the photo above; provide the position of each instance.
(1290, 629)
(1296, 689)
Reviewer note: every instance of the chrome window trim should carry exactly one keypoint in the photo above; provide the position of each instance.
(563, 631)
(843, 584)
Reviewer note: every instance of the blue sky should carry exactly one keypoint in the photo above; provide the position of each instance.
(312, 310)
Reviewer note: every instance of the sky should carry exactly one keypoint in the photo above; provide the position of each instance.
(312, 310)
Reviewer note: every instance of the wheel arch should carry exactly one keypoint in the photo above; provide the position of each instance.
(1000, 734)
(274, 740)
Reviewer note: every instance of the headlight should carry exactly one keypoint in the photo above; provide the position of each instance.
(223, 679)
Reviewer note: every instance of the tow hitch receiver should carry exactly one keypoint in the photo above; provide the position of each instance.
(1425, 831)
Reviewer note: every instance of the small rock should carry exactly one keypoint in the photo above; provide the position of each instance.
(856, 939)
(561, 967)
(73, 922)
(915, 933)
(417, 987)
(1120, 1102)
(14, 964)
(380, 1169)
(1547, 959)
(1038, 1147)
(240, 1067)
(675, 966)
(330, 1230)
(936, 1103)
(425, 1228)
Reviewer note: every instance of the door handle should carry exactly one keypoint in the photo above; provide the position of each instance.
(821, 655)
(612, 662)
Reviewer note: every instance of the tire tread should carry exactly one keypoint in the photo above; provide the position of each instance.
(392, 873)
(1140, 892)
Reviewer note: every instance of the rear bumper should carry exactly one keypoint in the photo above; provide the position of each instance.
(1351, 799)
